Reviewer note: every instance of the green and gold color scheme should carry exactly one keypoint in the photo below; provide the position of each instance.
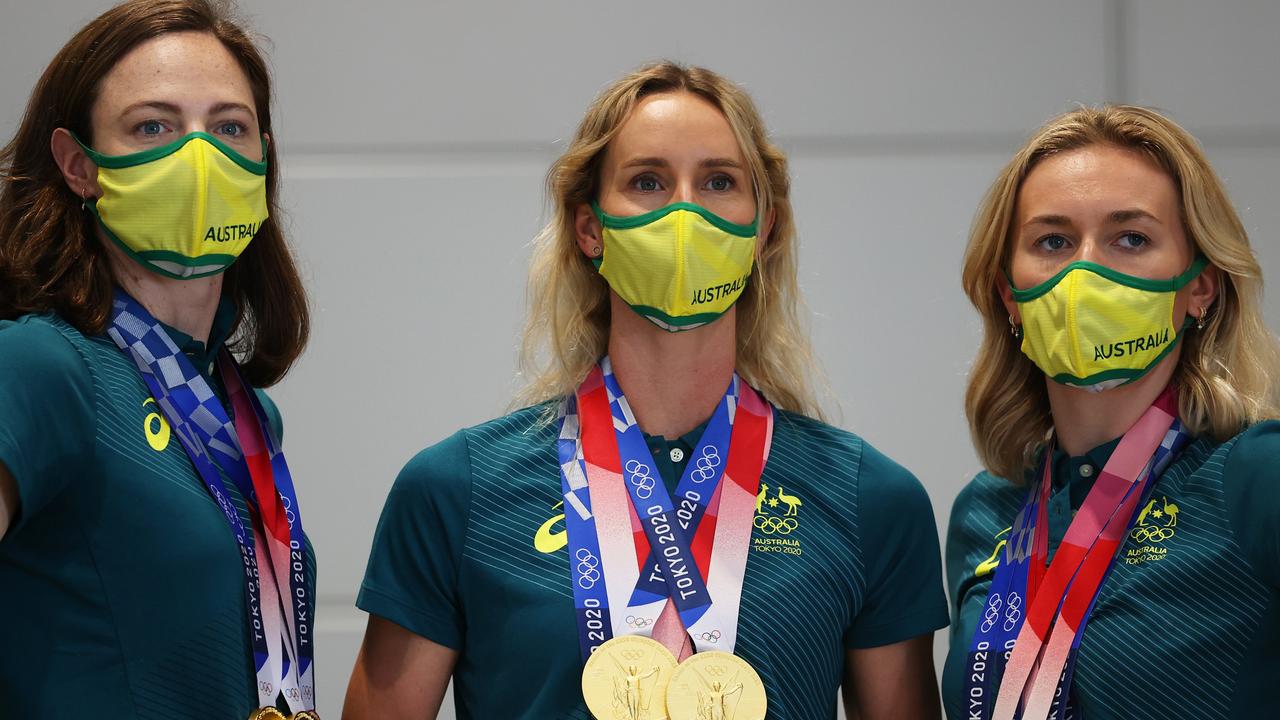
(680, 266)
(471, 553)
(1095, 327)
(184, 210)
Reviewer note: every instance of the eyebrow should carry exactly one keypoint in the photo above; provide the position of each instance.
(1116, 217)
(175, 110)
(662, 162)
(1129, 214)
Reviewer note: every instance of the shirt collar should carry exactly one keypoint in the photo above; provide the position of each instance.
(201, 354)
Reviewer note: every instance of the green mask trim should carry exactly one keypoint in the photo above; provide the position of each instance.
(1171, 285)
(144, 258)
(123, 161)
(1126, 373)
(634, 221)
(699, 319)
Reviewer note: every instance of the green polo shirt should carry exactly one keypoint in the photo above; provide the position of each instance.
(1188, 622)
(470, 553)
(121, 585)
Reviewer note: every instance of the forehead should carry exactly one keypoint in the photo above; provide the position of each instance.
(674, 124)
(176, 67)
(1104, 176)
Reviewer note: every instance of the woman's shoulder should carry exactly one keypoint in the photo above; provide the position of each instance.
(37, 351)
(880, 479)
(514, 438)
(985, 500)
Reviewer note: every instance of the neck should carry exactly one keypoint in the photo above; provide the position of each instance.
(186, 305)
(672, 381)
(1083, 420)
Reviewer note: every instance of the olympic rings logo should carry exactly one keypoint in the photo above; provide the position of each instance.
(705, 467)
(640, 478)
(1013, 611)
(771, 525)
(588, 569)
(288, 510)
(632, 655)
(639, 622)
(713, 636)
(992, 613)
(1151, 534)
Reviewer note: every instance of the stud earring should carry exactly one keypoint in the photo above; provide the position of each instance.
(595, 251)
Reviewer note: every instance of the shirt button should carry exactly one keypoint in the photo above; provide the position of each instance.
(677, 454)
(1086, 471)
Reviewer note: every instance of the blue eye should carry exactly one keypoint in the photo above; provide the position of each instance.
(1052, 243)
(646, 183)
(231, 129)
(720, 183)
(151, 127)
(1133, 241)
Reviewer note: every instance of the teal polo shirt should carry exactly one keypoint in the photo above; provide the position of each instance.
(1187, 624)
(121, 584)
(470, 553)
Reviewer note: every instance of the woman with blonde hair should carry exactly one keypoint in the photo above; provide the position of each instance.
(1123, 402)
(666, 500)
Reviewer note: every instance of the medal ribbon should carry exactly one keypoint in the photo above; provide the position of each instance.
(1032, 663)
(248, 453)
(618, 510)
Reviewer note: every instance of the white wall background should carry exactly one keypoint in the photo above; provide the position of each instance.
(415, 137)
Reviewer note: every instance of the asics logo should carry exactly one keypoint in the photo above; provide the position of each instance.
(156, 428)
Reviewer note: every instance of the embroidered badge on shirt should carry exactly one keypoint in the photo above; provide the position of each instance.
(1157, 525)
(776, 521)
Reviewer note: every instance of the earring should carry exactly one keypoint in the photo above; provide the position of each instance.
(1200, 320)
(595, 251)
(1014, 329)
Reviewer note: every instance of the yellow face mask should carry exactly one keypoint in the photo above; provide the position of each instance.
(681, 266)
(184, 210)
(1093, 327)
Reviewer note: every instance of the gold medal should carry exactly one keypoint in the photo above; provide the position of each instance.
(715, 685)
(267, 713)
(626, 679)
(304, 715)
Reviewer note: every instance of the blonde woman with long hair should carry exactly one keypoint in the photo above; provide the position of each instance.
(1120, 555)
(665, 531)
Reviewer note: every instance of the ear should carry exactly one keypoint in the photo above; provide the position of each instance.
(1203, 291)
(586, 227)
(79, 172)
(1006, 296)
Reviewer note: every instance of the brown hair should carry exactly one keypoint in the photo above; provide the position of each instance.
(1227, 370)
(567, 327)
(50, 256)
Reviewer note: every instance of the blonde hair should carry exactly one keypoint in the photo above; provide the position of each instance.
(1226, 370)
(568, 312)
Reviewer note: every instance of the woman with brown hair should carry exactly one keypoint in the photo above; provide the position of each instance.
(1120, 556)
(666, 500)
(152, 556)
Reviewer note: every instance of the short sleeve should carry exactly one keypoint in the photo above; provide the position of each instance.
(273, 414)
(1252, 487)
(412, 577)
(46, 413)
(899, 536)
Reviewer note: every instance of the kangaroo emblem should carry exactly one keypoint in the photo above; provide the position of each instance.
(791, 501)
(760, 497)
